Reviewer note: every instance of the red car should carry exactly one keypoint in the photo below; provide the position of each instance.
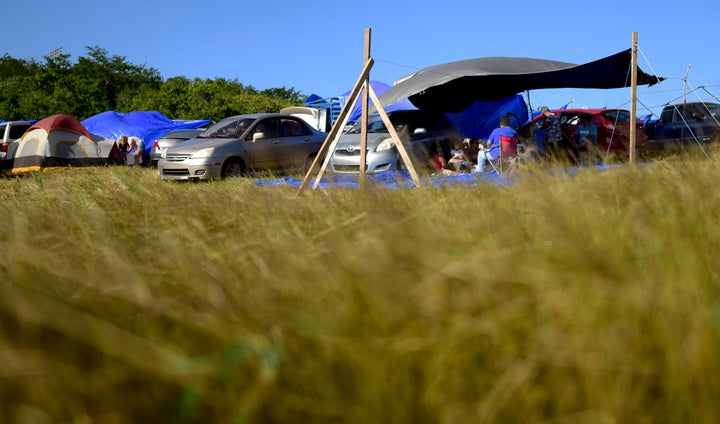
(613, 127)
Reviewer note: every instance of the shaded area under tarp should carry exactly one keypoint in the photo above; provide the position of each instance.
(452, 87)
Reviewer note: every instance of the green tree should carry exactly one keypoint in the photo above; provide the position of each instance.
(99, 82)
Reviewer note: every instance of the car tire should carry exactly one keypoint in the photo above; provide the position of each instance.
(232, 168)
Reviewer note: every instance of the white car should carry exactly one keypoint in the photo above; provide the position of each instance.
(11, 131)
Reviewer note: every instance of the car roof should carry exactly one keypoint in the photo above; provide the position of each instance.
(16, 122)
(183, 132)
(579, 111)
(599, 110)
(260, 115)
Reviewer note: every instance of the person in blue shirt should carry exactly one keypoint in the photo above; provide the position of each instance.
(501, 143)
(586, 139)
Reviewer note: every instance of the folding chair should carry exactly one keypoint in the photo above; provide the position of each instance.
(506, 160)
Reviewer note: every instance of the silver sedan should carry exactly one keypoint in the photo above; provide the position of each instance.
(421, 132)
(243, 144)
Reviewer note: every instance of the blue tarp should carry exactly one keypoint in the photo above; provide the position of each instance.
(481, 118)
(394, 180)
(148, 125)
(402, 180)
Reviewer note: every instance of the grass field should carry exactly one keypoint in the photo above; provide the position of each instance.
(591, 298)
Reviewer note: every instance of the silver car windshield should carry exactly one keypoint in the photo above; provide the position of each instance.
(228, 128)
(375, 125)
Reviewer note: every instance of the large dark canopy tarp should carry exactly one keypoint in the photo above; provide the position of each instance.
(452, 87)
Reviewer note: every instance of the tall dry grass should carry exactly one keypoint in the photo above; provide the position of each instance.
(586, 298)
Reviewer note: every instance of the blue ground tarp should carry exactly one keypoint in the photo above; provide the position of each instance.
(148, 125)
(395, 180)
(402, 179)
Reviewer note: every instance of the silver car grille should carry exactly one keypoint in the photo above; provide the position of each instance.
(181, 172)
(176, 157)
(349, 151)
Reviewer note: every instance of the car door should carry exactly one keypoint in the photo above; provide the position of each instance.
(265, 147)
(702, 122)
(298, 142)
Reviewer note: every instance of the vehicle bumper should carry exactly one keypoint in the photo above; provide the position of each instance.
(342, 163)
(190, 169)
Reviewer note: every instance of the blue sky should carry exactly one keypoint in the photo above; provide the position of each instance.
(317, 47)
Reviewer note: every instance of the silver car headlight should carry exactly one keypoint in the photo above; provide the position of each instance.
(163, 153)
(203, 153)
(386, 144)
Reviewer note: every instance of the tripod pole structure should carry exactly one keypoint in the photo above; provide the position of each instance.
(328, 146)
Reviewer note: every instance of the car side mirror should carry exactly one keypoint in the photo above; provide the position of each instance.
(419, 131)
(258, 136)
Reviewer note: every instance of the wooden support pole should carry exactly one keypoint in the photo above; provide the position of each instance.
(335, 131)
(364, 116)
(633, 97)
(398, 142)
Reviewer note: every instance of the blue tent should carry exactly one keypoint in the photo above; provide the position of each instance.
(148, 125)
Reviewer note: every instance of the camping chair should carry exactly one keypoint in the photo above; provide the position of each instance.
(507, 160)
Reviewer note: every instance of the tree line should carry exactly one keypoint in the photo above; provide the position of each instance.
(99, 82)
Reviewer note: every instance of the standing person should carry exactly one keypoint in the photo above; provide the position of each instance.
(501, 143)
(586, 138)
(123, 147)
(552, 132)
(137, 147)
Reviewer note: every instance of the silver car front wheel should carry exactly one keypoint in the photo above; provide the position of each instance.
(232, 168)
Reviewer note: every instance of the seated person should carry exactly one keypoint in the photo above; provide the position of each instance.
(501, 143)
(458, 158)
(437, 164)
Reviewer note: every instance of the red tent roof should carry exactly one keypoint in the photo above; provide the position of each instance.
(62, 121)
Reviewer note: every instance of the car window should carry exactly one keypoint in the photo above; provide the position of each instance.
(714, 110)
(375, 124)
(617, 116)
(228, 128)
(17, 130)
(293, 128)
(269, 128)
(569, 119)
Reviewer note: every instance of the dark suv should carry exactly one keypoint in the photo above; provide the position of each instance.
(422, 132)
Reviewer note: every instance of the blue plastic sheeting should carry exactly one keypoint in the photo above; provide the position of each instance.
(402, 180)
(148, 125)
(395, 180)
(481, 118)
